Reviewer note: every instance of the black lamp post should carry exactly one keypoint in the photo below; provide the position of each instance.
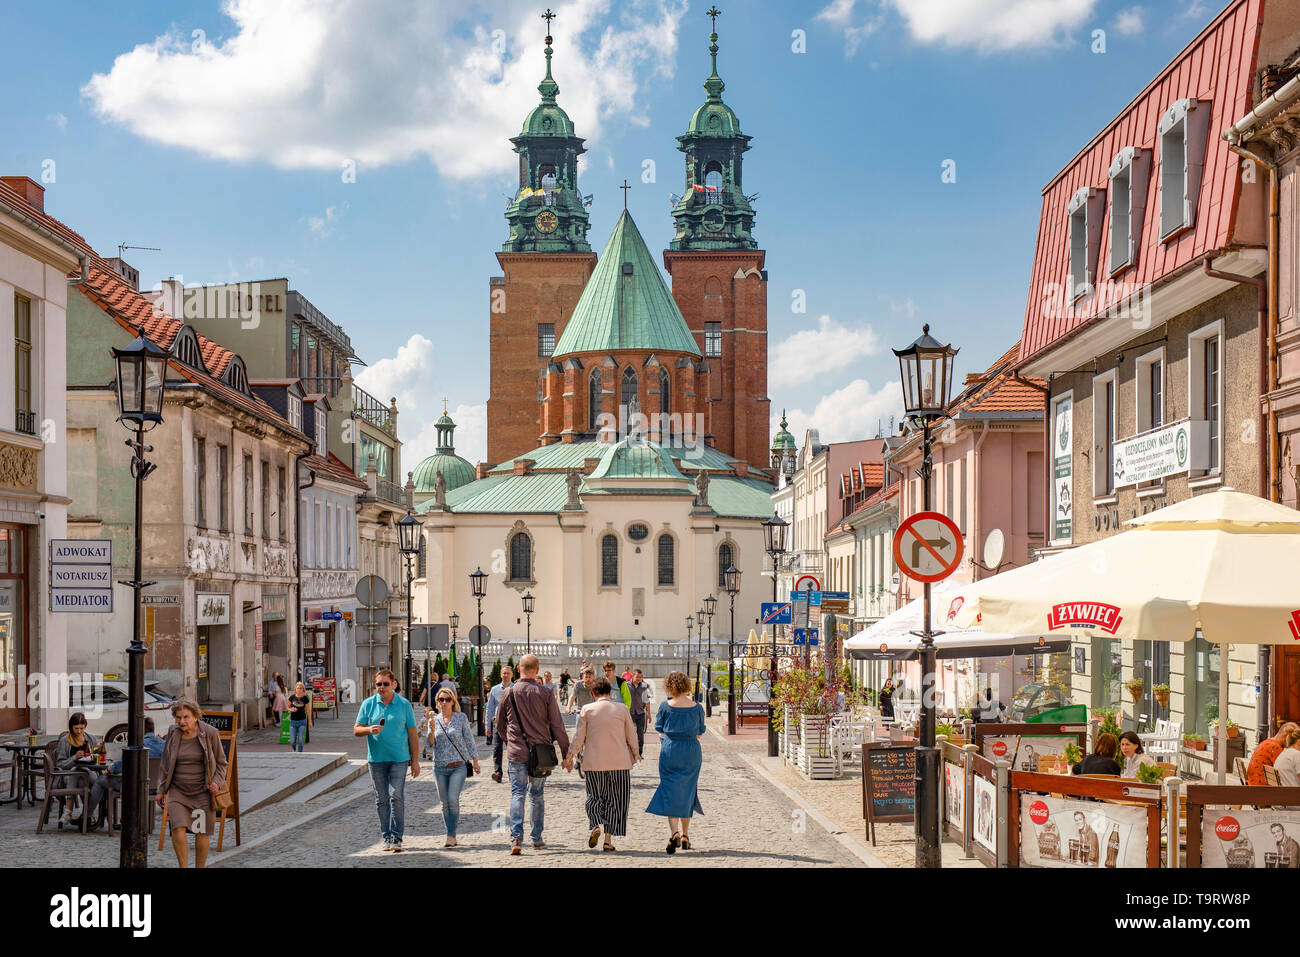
(926, 371)
(704, 656)
(408, 543)
(529, 601)
(774, 535)
(141, 372)
(690, 623)
(452, 621)
(731, 578)
(710, 603)
(478, 588)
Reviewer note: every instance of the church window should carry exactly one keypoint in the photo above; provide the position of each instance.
(629, 394)
(725, 561)
(521, 557)
(665, 392)
(712, 339)
(609, 561)
(422, 570)
(545, 339)
(713, 184)
(666, 570)
(593, 399)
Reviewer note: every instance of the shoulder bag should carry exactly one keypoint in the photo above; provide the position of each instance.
(542, 759)
(469, 765)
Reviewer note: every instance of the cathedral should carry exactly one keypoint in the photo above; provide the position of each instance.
(628, 465)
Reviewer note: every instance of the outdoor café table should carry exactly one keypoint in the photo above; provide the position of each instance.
(22, 751)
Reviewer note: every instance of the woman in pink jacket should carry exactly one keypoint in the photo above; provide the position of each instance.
(606, 740)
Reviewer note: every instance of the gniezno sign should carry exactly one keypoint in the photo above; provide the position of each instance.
(81, 575)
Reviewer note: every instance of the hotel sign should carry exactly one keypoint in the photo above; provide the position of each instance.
(1160, 452)
(81, 576)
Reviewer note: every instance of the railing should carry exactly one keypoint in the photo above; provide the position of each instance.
(390, 492)
(806, 560)
(629, 652)
(372, 410)
(25, 421)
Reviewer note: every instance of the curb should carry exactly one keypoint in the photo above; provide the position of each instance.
(857, 849)
(286, 828)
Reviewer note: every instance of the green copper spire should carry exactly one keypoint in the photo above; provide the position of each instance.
(713, 212)
(548, 214)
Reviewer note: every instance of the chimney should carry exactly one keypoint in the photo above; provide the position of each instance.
(172, 301)
(127, 272)
(31, 191)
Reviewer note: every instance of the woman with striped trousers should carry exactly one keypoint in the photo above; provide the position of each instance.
(606, 741)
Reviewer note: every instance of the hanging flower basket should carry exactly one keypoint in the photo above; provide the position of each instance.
(1135, 689)
(1162, 695)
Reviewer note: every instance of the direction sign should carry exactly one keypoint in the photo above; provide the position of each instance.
(928, 546)
(776, 613)
(814, 599)
(799, 609)
(806, 636)
(331, 616)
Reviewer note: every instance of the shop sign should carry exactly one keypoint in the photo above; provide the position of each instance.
(1079, 614)
(274, 607)
(81, 575)
(1160, 452)
(211, 608)
(1062, 468)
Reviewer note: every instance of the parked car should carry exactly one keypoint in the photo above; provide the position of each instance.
(106, 706)
(1034, 699)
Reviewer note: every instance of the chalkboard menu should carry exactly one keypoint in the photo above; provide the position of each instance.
(223, 721)
(888, 785)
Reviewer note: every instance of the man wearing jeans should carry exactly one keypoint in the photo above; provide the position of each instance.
(387, 722)
(494, 702)
(528, 715)
(642, 698)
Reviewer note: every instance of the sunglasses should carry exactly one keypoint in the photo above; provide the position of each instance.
(382, 684)
(447, 700)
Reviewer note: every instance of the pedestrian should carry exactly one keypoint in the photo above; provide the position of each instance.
(193, 770)
(494, 702)
(565, 680)
(1266, 752)
(642, 696)
(680, 723)
(581, 694)
(387, 722)
(606, 739)
(453, 744)
(75, 743)
(279, 702)
(887, 699)
(529, 720)
(300, 716)
(549, 683)
(1287, 764)
(618, 685)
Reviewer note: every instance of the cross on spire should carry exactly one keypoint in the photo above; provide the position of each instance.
(625, 188)
(713, 13)
(548, 16)
(444, 405)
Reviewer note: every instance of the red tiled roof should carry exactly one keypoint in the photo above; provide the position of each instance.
(1218, 66)
(879, 496)
(114, 296)
(996, 391)
(333, 467)
(12, 197)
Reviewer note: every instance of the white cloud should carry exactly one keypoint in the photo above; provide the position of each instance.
(1128, 22)
(324, 226)
(847, 415)
(840, 14)
(59, 120)
(993, 24)
(409, 376)
(816, 352)
(308, 85)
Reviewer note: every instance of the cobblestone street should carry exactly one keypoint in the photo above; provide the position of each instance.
(746, 823)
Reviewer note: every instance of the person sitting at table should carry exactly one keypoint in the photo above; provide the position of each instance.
(1130, 746)
(152, 744)
(74, 743)
(1287, 764)
(1266, 753)
(1102, 760)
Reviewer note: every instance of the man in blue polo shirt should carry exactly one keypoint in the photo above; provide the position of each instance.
(387, 722)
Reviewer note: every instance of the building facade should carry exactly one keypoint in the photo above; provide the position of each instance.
(37, 253)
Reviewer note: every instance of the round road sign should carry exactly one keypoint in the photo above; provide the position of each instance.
(928, 546)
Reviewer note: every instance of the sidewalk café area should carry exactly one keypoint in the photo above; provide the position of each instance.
(1208, 569)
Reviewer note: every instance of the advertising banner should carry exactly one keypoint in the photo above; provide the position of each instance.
(1023, 751)
(985, 797)
(1066, 832)
(1250, 838)
(1062, 468)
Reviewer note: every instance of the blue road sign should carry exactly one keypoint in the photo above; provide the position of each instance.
(806, 636)
(776, 613)
(814, 598)
(331, 616)
(568, 631)
(836, 595)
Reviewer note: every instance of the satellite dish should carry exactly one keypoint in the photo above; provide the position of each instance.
(994, 546)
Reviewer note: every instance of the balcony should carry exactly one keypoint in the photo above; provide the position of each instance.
(25, 422)
(390, 492)
(806, 561)
(377, 413)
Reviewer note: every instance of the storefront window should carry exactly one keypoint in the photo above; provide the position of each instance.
(1107, 662)
(13, 644)
(1201, 686)
(1151, 664)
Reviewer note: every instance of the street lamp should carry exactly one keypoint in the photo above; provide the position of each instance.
(453, 620)
(529, 601)
(690, 623)
(141, 372)
(710, 603)
(926, 371)
(731, 579)
(478, 588)
(408, 543)
(774, 536)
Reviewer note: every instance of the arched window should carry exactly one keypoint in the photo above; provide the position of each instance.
(667, 574)
(713, 184)
(724, 562)
(629, 391)
(593, 400)
(422, 563)
(665, 392)
(609, 561)
(521, 557)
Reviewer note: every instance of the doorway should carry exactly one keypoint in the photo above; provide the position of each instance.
(1286, 685)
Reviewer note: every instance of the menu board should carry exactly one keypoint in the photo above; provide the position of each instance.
(324, 694)
(888, 785)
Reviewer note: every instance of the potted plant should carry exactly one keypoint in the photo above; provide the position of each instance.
(1135, 686)
(1233, 730)
(1150, 773)
(1162, 694)
(1108, 724)
(31, 736)
(1194, 742)
(1073, 754)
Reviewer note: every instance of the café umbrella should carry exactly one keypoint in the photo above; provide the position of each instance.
(1222, 563)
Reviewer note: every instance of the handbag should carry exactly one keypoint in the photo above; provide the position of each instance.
(222, 802)
(542, 759)
(469, 765)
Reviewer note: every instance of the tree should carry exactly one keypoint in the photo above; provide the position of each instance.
(440, 665)
(514, 669)
(494, 678)
(466, 672)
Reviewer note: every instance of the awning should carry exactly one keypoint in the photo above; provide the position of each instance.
(964, 644)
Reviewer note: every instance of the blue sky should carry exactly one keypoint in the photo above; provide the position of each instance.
(225, 149)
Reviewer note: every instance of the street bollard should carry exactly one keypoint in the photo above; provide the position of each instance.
(968, 767)
(1173, 802)
(1004, 811)
(942, 810)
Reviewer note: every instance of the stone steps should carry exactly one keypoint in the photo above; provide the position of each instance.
(339, 777)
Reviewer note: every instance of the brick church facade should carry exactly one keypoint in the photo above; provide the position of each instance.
(575, 337)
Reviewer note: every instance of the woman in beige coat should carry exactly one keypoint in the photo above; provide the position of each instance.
(606, 740)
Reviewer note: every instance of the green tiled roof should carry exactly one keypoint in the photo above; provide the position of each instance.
(455, 471)
(509, 494)
(572, 455)
(734, 497)
(633, 459)
(622, 311)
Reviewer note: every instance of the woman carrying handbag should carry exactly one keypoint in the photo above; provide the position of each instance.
(455, 757)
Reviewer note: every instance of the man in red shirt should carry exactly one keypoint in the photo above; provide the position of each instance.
(1266, 754)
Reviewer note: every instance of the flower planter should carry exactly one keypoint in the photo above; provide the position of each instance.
(1194, 745)
(31, 739)
(1162, 697)
(1233, 732)
(816, 757)
(1136, 692)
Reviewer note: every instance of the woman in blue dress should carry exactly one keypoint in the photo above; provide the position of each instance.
(680, 723)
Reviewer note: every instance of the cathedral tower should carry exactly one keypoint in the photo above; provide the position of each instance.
(545, 260)
(719, 281)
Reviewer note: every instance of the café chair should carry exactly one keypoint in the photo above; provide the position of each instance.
(1239, 765)
(115, 796)
(62, 785)
(1271, 777)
